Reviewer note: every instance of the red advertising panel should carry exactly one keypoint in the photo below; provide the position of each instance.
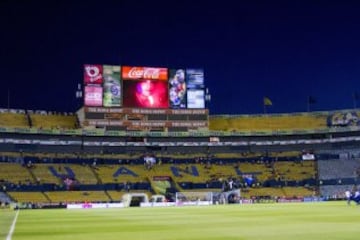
(93, 74)
(130, 73)
(93, 96)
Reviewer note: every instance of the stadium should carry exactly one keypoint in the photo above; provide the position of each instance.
(144, 147)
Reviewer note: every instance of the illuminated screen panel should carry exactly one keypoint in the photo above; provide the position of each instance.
(134, 73)
(93, 74)
(112, 95)
(177, 88)
(195, 78)
(195, 98)
(93, 96)
(146, 93)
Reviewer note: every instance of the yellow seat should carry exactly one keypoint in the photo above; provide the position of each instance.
(271, 122)
(53, 121)
(13, 120)
(25, 197)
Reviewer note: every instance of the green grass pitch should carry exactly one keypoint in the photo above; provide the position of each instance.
(296, 221)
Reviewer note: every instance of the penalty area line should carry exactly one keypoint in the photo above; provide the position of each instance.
(12, 228)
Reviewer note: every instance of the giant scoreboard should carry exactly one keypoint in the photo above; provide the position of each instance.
(144, 98)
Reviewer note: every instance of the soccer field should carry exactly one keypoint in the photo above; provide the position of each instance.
(324, 220)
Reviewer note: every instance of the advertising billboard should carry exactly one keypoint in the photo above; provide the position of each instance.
(195, 98)
(195, 78)
(93, 74)
(93, 96)
(177, 88)
(112, 96)
(143, 87)
(151, 73)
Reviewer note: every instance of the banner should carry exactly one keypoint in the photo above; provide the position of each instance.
(177, 88)
(94, 205)
(129, 73)
(93, 74)
(195, 98)
(112, 86)
(195, 78)
(93, 96)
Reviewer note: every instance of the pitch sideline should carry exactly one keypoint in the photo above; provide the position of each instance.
(12, 228)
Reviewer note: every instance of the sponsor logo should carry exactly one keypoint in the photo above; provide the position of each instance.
(145, 73)
(93, 74)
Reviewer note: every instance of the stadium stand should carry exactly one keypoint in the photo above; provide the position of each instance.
(268, 122)
(55, 173)
(335, 191)
(57, 121)
(289, 171)
(16, 174)
(78, 196)
(4, 199)
(299, 191)
(337, 176)
(263, 192)
(33, 197)
(77, 168)
(117, 195)
(200, 174)
(338, 168)
(9, 119)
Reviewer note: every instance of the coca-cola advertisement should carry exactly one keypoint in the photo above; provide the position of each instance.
(150, 73)
(93, 96)
(93, 74)
(146, 94)
(143, 87)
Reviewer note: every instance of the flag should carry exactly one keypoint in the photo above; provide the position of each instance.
(267, 101)
(311, 100)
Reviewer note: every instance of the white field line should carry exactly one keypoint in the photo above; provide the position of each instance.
(12, 228)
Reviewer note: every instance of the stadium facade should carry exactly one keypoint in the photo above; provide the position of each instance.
(147, 130)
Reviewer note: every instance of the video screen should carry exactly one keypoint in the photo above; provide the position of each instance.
(195, 78)
(143, 87)
(93, 74)
(177, 88)
(112, 86)
(93, 96)
(195, 98)
(146, 93)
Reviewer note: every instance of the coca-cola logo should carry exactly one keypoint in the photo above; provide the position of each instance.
(151, 73)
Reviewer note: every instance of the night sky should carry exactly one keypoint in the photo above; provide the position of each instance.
(286, 50)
